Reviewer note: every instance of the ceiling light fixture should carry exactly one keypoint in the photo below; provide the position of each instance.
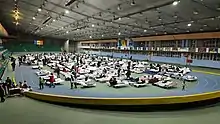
(145, 30)
(54, 20)
(102, 35)
(189, 24)
(67, 32)
(90, 36)
(146, 21)
(39, 10)
(218, 8)
(195, 12)
(16, 23)
(119, 18)
(93, 25)
(67, 11)
(119, 33)
(175, 3)
(133, 3)
(33, 18)
(119, 7)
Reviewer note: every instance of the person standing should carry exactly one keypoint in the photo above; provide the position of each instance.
(58, 72)
(2, 93)
(52, 80)
(73, 80)
(131, 58)
(13, 65)
(20, 60)
(3, 56)
(119, 71)
(41, 83)
(128, 74)
(7, 85)
(184, 85)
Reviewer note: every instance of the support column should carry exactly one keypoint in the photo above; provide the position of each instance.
(66, 46)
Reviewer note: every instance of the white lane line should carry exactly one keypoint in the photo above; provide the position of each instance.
(31, 80)
(216, 83)
(212, 79)
(22, 78)
(206, 83)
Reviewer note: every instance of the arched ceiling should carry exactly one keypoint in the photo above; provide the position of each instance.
(103, 19)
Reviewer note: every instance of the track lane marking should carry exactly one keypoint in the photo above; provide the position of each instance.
(206, 72)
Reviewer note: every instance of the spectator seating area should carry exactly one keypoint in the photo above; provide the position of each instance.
(3, 63)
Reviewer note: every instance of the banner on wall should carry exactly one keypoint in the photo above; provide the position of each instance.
(207, 50)
(125, 43)
(197, 50)
(183, 49)
(39, 42)
(202, 50)
(213, 50)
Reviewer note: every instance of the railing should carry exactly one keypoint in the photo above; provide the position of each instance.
(155, 49)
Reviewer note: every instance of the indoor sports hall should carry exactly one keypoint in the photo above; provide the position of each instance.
(109, 61)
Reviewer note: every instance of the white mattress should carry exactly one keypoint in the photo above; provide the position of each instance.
(167, 84)
(140, 85)
(42, 72)
(57, 81)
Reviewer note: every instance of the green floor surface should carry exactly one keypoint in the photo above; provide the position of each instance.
(28, 111)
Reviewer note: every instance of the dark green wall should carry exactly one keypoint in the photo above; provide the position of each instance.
(27, 45)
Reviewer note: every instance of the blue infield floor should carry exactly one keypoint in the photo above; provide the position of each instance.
(206, 83)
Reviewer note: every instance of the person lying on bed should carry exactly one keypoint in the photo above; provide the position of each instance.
(87, 81)
(20, 84)
(128, 74)
(113, 81)
(142, 80)
(25, 85)
(100, 75)
(104, 71)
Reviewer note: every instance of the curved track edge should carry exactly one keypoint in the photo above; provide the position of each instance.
(123, 101)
